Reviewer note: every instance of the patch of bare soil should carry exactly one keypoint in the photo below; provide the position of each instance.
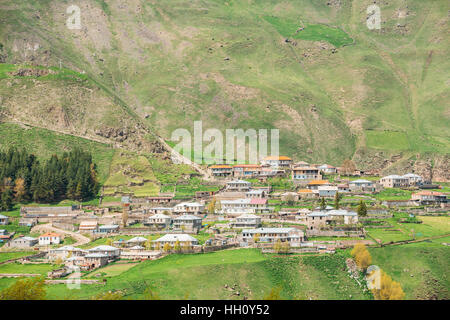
(30, 73)
(234, 91)
(295, 124)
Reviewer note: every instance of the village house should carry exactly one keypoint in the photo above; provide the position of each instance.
(172, 239)
(158, 199)
(327, 191)
(301, 164)
(413, 179)
(187, 223)
(28, 222)
(108, 228)
(203, 194)
(247, 221)
(268, 172)
(237, 206)
(221, 170)
(75, 261)
(22, 242)
(315, 184)
(136, 241)
(429, 197)
(362, 185)
(140, 254)
(327, 169)
(95, 260)
(162, 198)
(246, 170)
(318, 219)
(5, 235)
(305, 174)
(4, 220)
(160, 210)
(394, 181)
(306, 194)
(256, 193)
(88, 226)
(239, 185)
(110, 251)
(302, 214)
(277, 161)
(292, 235)
(189, 208)
(49, 238)
(343, 188)
(66, 252)
(158, 221)
(240, 206)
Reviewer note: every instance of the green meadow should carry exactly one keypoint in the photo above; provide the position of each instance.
(421, 270)
(310, 32)
(204, 276)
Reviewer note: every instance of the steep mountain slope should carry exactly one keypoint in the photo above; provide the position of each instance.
(71, 103)
(334, 89)
(52, 110)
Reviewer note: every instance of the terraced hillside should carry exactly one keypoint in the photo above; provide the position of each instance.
(313, 69)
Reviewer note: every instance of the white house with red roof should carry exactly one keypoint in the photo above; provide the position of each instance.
(49, 238)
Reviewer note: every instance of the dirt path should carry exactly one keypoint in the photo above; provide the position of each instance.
(49, 228)
(179, 158)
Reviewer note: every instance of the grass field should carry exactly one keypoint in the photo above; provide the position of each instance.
(430, 227)
(387, 140)
(26, 268)
(421, 270)
(203, 276)
(311, 32)
(5, 256)
(111, 270)
(131, 173)
(13, 226)
(188, 190)
(393, 194)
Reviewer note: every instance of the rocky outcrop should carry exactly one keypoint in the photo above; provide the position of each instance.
(433, 167)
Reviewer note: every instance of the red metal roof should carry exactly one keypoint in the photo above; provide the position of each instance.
(258, 201)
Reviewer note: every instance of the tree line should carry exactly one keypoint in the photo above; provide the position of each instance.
(23, 178)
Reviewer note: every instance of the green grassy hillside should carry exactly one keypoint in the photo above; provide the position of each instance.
(204, 277)
(422, 270)
(335, 88)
